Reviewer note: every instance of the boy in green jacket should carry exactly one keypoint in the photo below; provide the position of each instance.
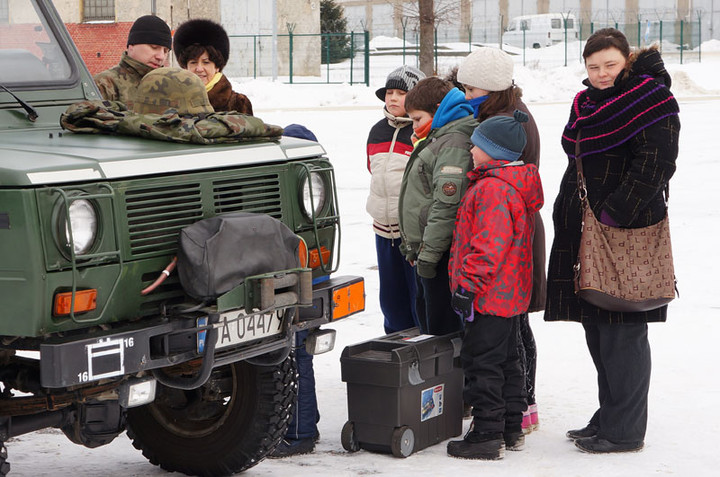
(434, 181)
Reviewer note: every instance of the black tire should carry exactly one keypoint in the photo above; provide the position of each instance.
(403, 441)
(228, 425)
(4, 464)
(348, 439)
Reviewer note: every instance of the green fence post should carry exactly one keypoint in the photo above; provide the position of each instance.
(592, 28)
(352, 55)
(639, 33)
(367, 58)
(291, 29)
(255, 56)
(435, 48)
(524, 45)
(682, 36)
(403, 21)
(327, 70)
(661, 35)
(699, 37)
(565, 24)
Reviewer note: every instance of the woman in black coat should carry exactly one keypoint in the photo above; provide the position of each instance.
(628, 127)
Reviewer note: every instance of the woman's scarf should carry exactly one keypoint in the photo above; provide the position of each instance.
(614, 115)
(477, 102)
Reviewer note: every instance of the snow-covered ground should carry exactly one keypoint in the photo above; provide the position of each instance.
(683, 424)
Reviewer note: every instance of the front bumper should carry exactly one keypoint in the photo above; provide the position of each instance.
(168, 341)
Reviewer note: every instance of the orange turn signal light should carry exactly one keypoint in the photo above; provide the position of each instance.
(85, 300)
(303, 253)
(315, 257)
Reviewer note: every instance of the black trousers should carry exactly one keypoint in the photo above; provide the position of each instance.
(432, 302)
(494, 379)
(528, 355)
(621, 353)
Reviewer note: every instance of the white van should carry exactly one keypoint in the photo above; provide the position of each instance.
(540, 30)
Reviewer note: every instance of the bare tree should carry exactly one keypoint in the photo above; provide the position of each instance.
(427, 15)
(427, 36)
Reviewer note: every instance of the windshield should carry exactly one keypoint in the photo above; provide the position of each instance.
(29, 51)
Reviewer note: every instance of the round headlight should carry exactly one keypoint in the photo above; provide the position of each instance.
(315, 188)
(81, 219)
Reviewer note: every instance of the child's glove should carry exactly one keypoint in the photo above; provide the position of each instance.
(426, 269)
(462, 303)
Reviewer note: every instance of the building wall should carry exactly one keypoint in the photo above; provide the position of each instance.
(101, 44)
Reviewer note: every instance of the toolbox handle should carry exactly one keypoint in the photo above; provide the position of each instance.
(414, 377)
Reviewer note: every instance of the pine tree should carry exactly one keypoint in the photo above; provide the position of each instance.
(335, 48)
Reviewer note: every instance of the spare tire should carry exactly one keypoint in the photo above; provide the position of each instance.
(226, 426)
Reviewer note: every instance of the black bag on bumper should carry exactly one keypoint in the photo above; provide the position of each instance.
(218, 253)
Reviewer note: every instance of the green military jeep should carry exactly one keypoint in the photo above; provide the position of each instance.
(97, 333)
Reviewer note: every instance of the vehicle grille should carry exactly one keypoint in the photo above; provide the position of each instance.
(157, 214)
(260, 194)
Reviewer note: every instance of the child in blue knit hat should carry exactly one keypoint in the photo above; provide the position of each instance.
(491, 279)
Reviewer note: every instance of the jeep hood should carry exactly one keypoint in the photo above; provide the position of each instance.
(51, 156)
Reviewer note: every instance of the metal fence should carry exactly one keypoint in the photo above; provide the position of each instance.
(345, 57)
(303, 58)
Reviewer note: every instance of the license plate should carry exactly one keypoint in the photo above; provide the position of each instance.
(236, 328)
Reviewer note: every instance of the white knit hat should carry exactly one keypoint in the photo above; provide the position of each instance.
(487, 68)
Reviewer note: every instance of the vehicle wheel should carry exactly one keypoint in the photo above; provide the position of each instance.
(4, 464)
(226, 426)
(403, 441)
(348, 439)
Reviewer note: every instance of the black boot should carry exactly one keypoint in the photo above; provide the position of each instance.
(590, 430)
(478, 445)
(514, 441)
(597, 445)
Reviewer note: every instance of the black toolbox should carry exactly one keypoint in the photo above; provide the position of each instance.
(404, 392)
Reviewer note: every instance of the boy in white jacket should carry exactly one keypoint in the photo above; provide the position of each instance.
(388, 150)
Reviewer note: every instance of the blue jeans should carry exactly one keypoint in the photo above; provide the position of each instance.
(305, 414)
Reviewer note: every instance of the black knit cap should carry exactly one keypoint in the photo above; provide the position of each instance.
(204, 33)
(150, 30)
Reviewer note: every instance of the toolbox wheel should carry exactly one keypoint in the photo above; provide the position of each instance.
(348, 438)
(403, 441)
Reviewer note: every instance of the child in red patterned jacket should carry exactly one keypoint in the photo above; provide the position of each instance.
(491, 276)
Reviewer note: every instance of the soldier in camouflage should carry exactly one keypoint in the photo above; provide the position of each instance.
(149, 42)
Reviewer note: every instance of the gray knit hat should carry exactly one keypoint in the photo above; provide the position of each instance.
(487, 68)
(502, 137)
(404, 78)
(150, 30)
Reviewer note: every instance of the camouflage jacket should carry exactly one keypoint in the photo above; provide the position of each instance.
(109, 117)
(120, 82)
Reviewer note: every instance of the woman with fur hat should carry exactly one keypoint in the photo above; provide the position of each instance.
(487, 77)
(625, 127)
(203, 47)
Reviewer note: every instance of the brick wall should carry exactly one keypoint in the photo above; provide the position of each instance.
(100, 44)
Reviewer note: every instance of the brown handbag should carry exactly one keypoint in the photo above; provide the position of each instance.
(622, 269)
